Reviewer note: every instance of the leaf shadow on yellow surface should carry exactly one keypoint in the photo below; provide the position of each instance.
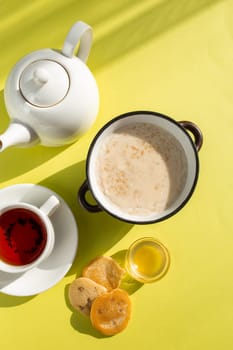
(41, 24)
(148, 23)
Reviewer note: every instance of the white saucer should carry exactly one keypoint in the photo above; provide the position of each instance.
(51, 271)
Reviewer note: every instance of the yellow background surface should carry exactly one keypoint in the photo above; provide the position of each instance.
(174, 57)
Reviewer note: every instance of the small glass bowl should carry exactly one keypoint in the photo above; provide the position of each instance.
(147, 260)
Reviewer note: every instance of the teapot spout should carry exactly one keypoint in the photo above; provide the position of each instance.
(17, 134)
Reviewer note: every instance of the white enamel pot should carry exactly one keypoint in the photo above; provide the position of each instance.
(186, 133)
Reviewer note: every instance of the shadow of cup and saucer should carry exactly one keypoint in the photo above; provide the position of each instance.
(10, 300)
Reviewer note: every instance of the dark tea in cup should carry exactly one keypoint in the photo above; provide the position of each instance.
(23, 236)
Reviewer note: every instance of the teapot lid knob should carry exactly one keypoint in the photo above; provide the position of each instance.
(44, 83)
(40, 76)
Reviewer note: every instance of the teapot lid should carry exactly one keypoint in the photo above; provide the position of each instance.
(44, 83)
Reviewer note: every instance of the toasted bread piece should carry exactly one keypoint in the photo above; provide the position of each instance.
(110, 312)
(82, 292)
(105, 271)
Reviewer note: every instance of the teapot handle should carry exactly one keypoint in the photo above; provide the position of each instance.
(82, 32)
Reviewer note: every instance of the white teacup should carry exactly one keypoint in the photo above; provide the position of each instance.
(26, 235)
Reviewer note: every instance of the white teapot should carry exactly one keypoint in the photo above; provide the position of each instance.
(51, 96)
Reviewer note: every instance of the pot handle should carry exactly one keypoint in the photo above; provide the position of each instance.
(93, 208)
(195, 130)
(79, 32)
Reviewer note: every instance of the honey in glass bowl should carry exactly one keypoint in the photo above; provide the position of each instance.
(147, 260)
